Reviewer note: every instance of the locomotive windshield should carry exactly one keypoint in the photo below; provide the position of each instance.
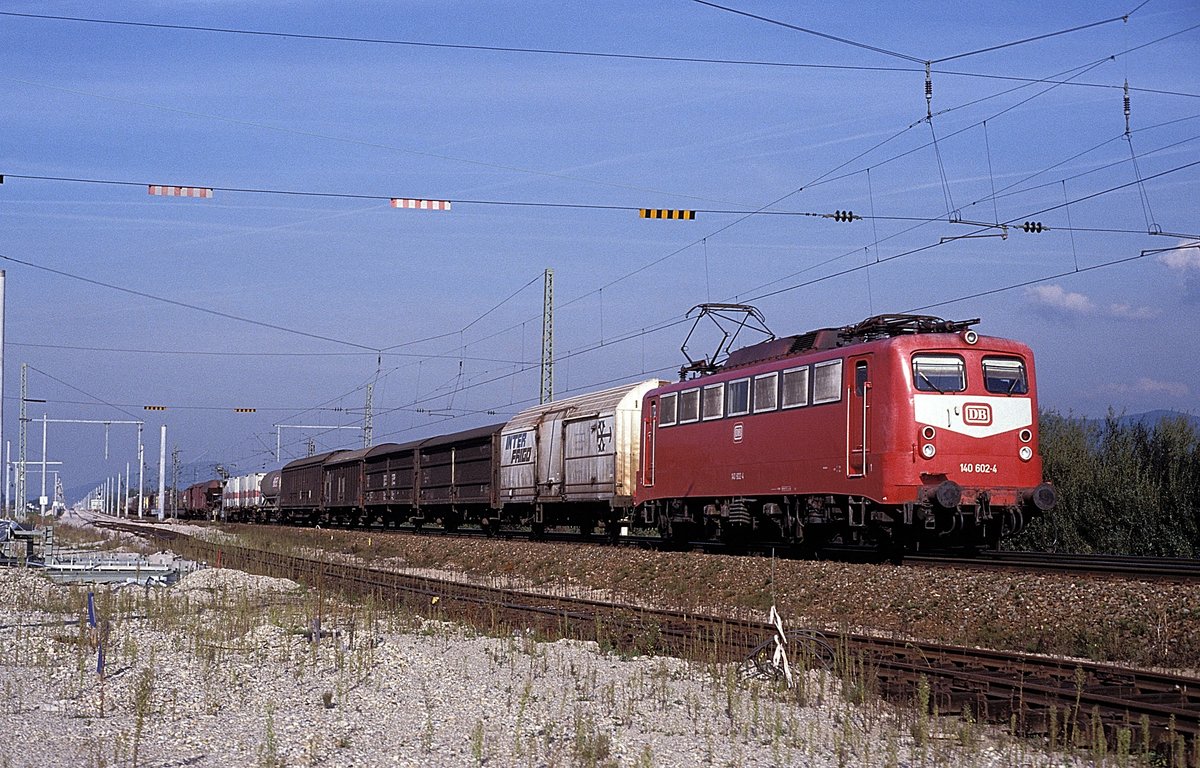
(1005, 375)
(939, 373)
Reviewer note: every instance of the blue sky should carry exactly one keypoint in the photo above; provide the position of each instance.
(489, 129)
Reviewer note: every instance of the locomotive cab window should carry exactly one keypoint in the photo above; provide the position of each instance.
(827, 382)
(714, 405)
(765, 393)
(939, 373)
(1005, 375)
(737, 400)
(666, 410)
(689, 406)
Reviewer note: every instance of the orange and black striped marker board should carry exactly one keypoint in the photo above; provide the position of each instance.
(666, 213)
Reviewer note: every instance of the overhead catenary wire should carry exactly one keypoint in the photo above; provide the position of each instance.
(759, 211)
(773, 211)
(184, 304)
(928, 246)
(71, 386)
(241, 353)
(562, 52)
(813, 32)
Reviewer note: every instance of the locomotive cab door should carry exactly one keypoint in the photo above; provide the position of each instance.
(858, 417)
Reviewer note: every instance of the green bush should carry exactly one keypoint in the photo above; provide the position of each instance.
(1124, 487)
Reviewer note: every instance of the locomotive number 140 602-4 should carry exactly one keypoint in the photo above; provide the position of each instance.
(978, 469)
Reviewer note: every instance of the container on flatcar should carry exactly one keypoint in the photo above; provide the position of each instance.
(241, 496)
(575, 460)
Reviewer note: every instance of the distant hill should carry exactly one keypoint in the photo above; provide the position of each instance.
(1151, 418)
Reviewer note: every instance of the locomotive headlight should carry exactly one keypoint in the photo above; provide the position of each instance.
(1026, 453)
(970, 337)
(928, 432)
(928, 451)
(1025, 435)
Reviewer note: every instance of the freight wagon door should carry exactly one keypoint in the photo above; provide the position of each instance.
(858, 410)
(589, 458)
(550, 456)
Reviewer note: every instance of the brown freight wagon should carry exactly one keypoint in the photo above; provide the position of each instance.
(458, 476)
(301, 483)
(201, 500)
(343, 499)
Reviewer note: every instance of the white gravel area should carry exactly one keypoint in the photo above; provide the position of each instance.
(223, 669)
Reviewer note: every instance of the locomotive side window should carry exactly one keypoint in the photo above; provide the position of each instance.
(1005, 375)
(689, 406)
(795, 388)
(827, 382)
(737, 401)
(714, 396)
(765, 392)
(666, 410)
(939, 373)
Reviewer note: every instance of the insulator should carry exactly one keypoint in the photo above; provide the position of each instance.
(928, 92)
(1032, 226)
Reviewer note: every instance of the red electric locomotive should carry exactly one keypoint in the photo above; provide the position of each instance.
(903, 432)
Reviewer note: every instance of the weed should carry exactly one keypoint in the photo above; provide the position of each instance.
(268, 751)
(142, 693)
(477, 743)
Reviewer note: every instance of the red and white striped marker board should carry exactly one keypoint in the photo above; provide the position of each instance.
(424, 205)
(168, 191)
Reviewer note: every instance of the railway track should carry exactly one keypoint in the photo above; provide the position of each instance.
(1067, 700)
(1174, 569)
(1170, 569)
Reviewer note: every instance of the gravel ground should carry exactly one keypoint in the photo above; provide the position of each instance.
(1150, 623)
(222, 669)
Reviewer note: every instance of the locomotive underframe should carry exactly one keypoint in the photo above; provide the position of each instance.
(815, 521)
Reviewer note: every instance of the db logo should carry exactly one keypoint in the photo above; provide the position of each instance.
(738, 431)
(978, 414)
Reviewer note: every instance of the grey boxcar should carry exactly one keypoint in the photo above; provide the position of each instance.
(573, 461)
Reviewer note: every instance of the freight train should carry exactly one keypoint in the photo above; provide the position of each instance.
(902, 433)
